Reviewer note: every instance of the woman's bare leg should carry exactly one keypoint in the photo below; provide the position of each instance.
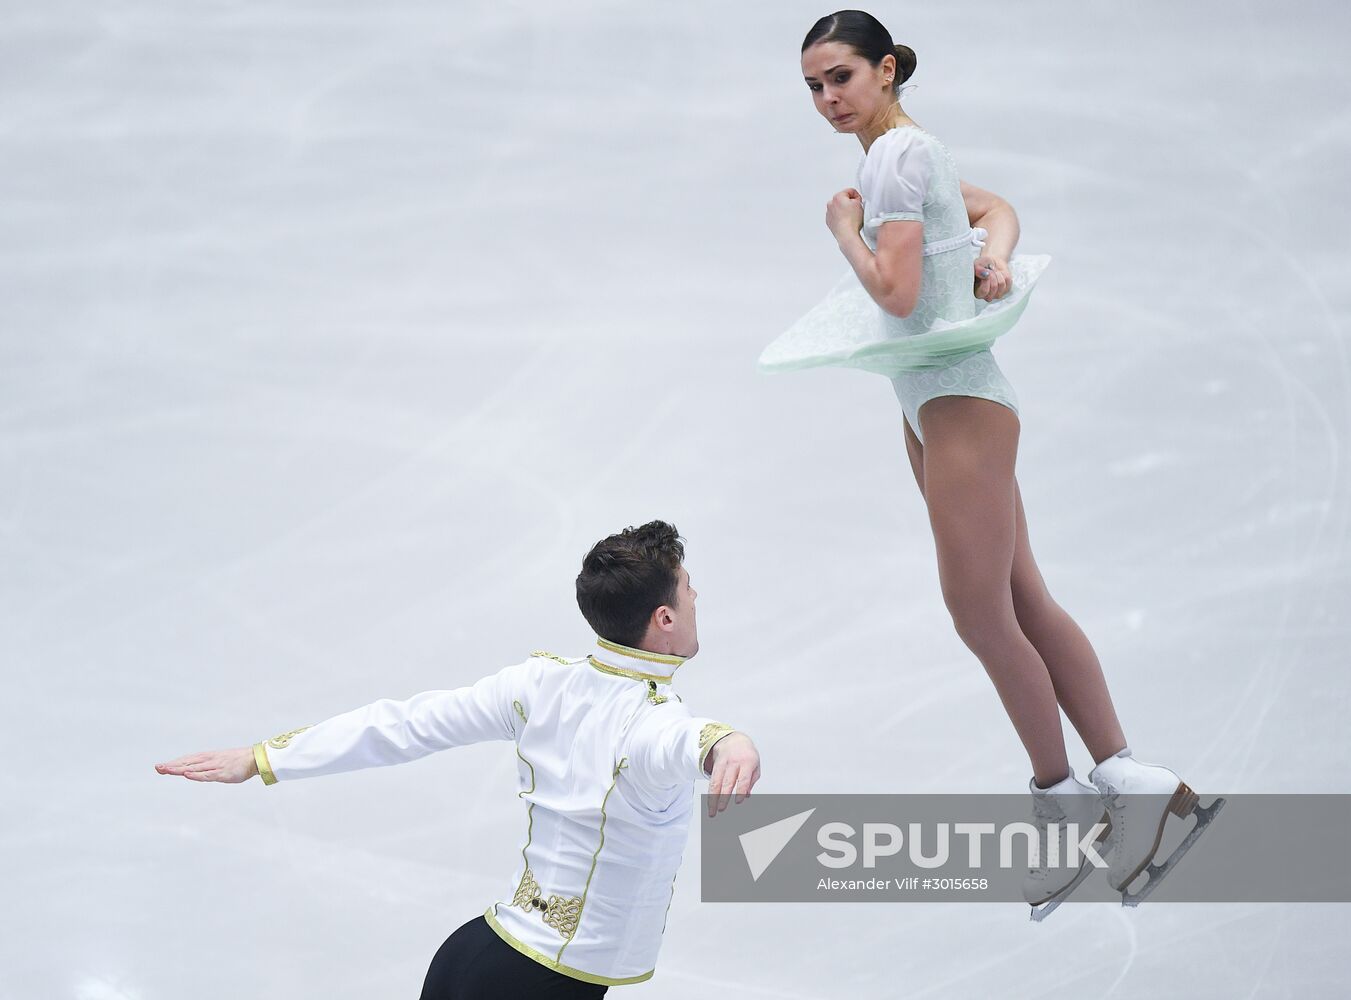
(1075, 671)
(969, 452)
(1076, 674)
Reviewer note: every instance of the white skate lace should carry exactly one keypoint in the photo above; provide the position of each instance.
(1111, 800)
(1045, 810)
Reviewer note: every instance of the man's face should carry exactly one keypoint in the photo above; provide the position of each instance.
(684, 631)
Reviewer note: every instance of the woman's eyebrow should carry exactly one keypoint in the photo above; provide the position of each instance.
(831, 70)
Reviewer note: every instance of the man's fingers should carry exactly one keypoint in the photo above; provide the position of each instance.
(725, 789)
(207, 764)
(744, 782)
(186, 759)
(729, 782)
(213, 765)
(715, 786)
(732, 780)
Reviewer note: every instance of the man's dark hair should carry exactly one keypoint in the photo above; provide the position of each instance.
(626, 577)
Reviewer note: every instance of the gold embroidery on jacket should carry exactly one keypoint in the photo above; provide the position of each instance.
(284, 740)
(560, 913)
(563, 915)
(653, 696)
(527, 892)
(551, 656)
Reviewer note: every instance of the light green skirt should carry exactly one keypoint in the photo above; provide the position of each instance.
(847, 328)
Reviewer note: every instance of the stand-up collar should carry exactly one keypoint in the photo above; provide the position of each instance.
(638, 664)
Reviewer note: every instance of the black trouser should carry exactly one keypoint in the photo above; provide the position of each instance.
(476, 964)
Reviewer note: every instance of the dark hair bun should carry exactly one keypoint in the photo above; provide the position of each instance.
(905, 63)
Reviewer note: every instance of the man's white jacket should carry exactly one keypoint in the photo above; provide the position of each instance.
(608, 756)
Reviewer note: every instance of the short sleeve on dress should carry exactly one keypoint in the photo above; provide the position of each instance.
(902, 181)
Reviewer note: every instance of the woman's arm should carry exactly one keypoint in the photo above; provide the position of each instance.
(997, 217)
(891, 276)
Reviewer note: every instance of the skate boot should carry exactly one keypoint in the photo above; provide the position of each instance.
(1054, 809)
(1139, 798)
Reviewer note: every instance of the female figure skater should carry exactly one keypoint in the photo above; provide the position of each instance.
(911, 309)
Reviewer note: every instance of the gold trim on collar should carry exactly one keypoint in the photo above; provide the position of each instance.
(635, 675)
(669, 659)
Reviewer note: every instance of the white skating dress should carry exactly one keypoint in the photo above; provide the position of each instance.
(943, 347)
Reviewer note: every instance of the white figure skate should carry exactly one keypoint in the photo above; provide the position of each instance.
(1068, 802)
(1139, 798)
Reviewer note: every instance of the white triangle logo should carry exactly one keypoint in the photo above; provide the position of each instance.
(763, 845)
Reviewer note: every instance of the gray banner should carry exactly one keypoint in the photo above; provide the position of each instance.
(941, 848)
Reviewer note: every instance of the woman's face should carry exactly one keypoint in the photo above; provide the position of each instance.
(848, 90)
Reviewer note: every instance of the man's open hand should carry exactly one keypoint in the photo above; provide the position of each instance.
(736, 769)
(232, 766)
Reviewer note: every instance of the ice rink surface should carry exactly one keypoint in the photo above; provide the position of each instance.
(332, 335)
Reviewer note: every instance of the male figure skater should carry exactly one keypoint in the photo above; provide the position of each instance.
(608, 756)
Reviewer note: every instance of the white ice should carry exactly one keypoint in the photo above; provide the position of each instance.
(331, 336)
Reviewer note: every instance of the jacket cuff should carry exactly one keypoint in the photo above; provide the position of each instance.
(708, 736)
(264, 765)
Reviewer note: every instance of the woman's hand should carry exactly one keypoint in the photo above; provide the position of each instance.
(231, 766)
(993, 279)
(844, 214)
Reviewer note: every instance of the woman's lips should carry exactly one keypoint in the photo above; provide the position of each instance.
(843, 118)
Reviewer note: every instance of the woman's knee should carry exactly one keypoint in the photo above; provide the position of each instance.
(1035, 608)
(985, 622)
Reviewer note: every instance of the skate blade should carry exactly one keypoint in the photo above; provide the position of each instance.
(1181, 805)
(1157, 873)
(1044, 910)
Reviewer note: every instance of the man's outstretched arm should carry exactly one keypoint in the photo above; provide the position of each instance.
(381, 733)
